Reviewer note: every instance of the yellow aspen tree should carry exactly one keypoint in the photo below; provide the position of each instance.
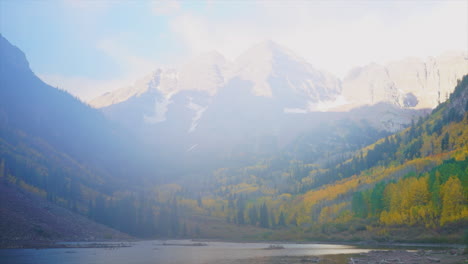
(454, 202)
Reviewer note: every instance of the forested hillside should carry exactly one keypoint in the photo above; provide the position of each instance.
(413, 179)
(59, 148)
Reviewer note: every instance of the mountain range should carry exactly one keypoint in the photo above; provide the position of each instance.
(276, 72)
(272, 70)
(209, 104)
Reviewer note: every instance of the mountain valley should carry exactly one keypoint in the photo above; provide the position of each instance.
(217, 147)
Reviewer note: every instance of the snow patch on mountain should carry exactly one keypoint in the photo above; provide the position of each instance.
(160, 110)
(199, 110)
(295, 110)
(168, 81)
(325, 106)
(321, 106)
(191, 148)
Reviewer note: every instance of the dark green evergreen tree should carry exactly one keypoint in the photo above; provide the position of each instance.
(445, 142)
(281, 220)
(264, 219)
(253, 215)
(240, 204)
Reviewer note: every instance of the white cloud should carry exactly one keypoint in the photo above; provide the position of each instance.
(165, 7)
(86, 13)
(127, 60)
(87, 5)
(200, 34)
(333, 35)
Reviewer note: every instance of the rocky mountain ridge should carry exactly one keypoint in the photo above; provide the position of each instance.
(276, 72)
(408, 83)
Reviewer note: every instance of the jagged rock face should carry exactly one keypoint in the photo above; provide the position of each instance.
(412, 82)
(369, 85)
(275, 72)
(458, 103)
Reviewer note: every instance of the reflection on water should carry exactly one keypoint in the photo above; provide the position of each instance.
(156, 252)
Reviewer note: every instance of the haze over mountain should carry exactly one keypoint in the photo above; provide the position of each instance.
(277, 73)
(269, 94)
(274, 72)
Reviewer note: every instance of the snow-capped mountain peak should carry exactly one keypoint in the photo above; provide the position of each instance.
(277, 72)
(204, 73)
(255, 65)
(269, 69)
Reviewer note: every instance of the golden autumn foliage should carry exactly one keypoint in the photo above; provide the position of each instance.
(409, 202)
(331, 213)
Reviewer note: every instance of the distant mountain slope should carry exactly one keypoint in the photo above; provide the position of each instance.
(67, 124)
(264, 71)
(412, 82)
(61, 149)
(29, 220)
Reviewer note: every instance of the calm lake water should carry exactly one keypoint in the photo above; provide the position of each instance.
(155, 252)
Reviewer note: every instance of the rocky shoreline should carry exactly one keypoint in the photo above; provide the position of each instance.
(452, 256)
(20, 244)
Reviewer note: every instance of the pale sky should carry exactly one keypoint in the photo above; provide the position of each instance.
(89, 47)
